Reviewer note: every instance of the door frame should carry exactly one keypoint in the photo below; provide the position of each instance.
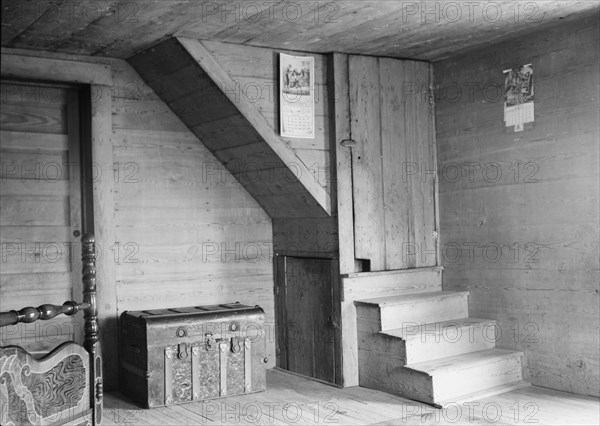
(56, 68)
(281, 310)
(78, 165)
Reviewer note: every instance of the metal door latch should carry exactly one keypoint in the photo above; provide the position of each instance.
(183, 352)
(235, 346)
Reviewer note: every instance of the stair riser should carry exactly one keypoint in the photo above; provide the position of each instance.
(427, 311)
(478, 378)
(392, 283)
(448, 340)
(401, 381)
(375, 348)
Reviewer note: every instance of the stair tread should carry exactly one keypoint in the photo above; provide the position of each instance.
(411, 298)
(486, 393)
(431, 328)
(463, 361)
(392, 272)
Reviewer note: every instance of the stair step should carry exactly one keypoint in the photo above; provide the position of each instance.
(366, 285)
(405, 310)
(401, 299)
(451, 378)
(424, 342)
(462, 362)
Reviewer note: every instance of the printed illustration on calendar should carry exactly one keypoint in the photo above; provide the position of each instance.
(518, 96)
(297, 96)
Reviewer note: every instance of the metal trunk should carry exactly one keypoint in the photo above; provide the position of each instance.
(172, 356)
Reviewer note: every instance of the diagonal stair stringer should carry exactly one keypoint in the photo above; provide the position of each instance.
(186, 76)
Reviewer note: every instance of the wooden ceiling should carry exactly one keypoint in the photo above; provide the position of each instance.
(430, 30)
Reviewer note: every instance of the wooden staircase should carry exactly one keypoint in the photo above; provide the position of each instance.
(423, 346)
(189, 79)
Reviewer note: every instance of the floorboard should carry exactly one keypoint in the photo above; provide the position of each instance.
(291, 399)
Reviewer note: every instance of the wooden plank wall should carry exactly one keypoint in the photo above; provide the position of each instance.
(521, 231)
(393, 163)
(185, 231)
(255, 71)
(216, 108)
(35, 223)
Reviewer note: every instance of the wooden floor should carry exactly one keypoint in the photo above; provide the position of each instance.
(295, 400)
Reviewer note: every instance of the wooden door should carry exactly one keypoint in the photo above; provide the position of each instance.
(308, 321)
(393, 163)
(40, 208)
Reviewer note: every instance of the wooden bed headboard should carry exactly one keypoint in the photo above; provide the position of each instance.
(64, 386)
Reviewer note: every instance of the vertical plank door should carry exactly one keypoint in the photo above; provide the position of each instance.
(307, 318)
(393, 163)
(40, 209)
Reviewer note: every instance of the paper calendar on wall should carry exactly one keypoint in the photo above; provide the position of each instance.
(296, 96)
(518, 96)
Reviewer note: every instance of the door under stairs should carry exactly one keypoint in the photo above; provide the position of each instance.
(425, 347)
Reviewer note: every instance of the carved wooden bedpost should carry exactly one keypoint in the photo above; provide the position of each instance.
(90, 315)
(88, 257)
